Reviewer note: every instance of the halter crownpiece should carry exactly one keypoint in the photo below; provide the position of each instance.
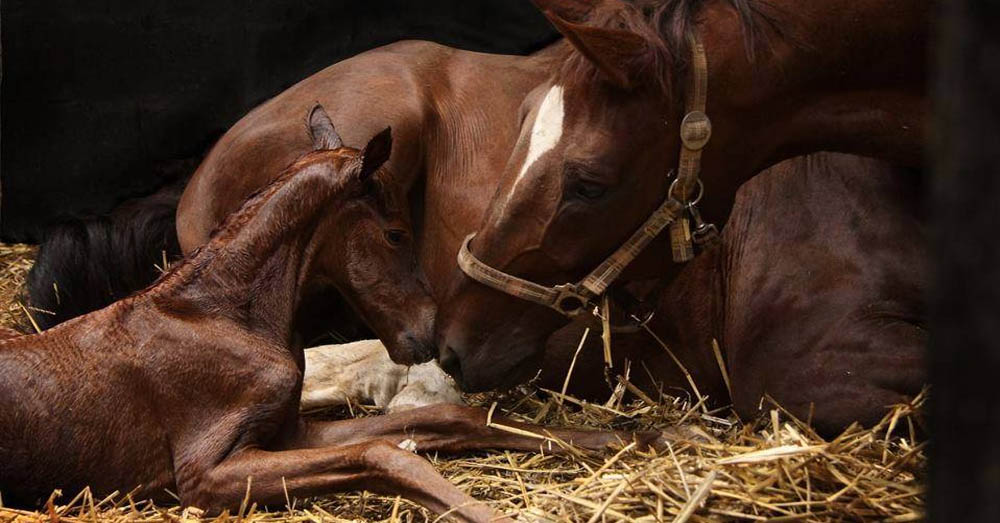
(570, 299)
(695, 131)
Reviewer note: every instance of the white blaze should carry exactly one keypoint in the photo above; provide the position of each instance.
(546, 130)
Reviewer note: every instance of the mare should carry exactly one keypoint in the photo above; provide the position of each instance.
(602, 133)
(193, 384)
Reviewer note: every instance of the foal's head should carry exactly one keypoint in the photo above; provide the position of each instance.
(363, 242)
(596, 145)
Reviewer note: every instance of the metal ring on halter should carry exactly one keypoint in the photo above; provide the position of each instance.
(570, 301)
(701, 191)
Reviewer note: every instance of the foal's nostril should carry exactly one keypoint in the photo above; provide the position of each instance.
(450, 363)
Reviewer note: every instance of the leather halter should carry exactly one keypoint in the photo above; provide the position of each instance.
(571, 299)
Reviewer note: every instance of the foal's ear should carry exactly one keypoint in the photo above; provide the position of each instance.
(575, 10)
(324, 136)
(376, 152)
(613, 51)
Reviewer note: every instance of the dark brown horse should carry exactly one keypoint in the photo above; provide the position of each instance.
(193, 385)
(602, 135)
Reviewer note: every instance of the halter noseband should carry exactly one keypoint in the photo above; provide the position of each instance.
(571, 299)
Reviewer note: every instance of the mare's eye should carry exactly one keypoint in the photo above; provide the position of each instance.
(589, 190)
(395, 237)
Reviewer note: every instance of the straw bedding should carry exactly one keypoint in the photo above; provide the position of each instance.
(772, 468)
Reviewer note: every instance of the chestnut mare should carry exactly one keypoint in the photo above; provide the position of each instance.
(193, 384)
(602, 135)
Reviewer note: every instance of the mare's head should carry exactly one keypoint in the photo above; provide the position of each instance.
(597, 142)
(364, 242)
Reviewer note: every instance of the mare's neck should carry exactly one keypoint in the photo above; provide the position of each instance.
(551, 53)
(841, 75)
(253, 270)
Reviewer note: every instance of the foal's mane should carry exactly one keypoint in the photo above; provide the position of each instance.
(666, 24)
(293, 175)
(238, 219)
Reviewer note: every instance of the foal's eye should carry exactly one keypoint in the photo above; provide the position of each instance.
(395, 237)
(589, 190)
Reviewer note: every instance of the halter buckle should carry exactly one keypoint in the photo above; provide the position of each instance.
(696, 130)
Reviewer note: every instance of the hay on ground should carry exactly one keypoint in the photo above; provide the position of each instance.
(772, 468)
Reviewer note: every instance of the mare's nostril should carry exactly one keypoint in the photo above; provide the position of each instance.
(422, 352)
(450, 363)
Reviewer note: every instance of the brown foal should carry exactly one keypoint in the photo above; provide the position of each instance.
(193, 385)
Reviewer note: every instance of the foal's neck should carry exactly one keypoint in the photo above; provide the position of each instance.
(841, 75)
(254, 268)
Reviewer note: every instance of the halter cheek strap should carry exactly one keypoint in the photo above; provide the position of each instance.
(695, 131)
(571, 299)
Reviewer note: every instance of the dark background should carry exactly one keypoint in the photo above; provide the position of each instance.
(108, 99)
(965, 314)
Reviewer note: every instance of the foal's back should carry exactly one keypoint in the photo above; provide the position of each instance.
(81, 393)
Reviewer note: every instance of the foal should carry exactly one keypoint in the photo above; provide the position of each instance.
(193, 384)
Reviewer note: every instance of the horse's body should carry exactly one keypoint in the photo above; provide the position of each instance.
(193, 384)
(602, 134)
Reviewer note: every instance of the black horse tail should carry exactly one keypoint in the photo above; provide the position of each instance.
(87, 264)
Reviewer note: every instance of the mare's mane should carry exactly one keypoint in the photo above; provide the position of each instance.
(665, 24)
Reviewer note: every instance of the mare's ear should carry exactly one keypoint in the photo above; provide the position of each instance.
(375, 153)
(324, 136)
(575, 10)
(613, 51)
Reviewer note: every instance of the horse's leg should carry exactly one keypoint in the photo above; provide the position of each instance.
(453, 428)
(362, 372)
(423, 385)
(358, 372)
(859, 368)
(377, 466)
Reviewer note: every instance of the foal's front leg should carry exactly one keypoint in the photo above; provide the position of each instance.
(454, 428)
(377, 466)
